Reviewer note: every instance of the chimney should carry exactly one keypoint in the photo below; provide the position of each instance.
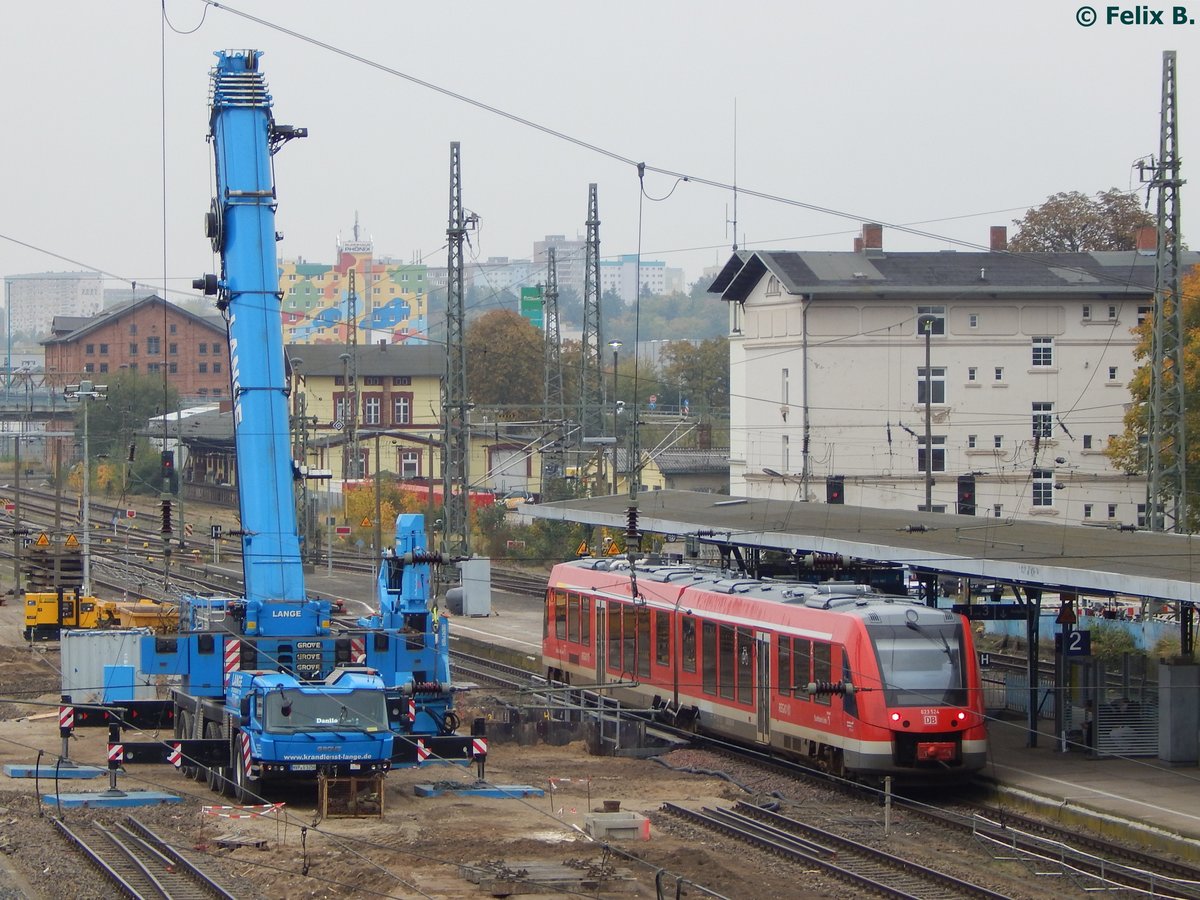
(872, 236)
(858, 244)
(1146, 240)
(998, 238)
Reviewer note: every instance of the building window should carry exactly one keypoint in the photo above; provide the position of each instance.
(1087, 442)
(87, 367)
(203, 349)
(402, 409)
(1087, 312)
(1043, 487)
(785, 452)
(938, 463)
(216, 392)
(410, 463)
(973, 320)
(971, 441)
(133, 328)
(104, 349)
(997, 441)
(937, 384)
(1112, 314)
(171, 328)
(173, 349)
(972, 373)
(772, 286)
(1141, 515)
(173, 368)
(216, 349)
(1087, 510)
(89, 349)
(371, 406)
(133, 348)
(1144, 312)
(340, 405)
(153, 346)
(1112, 510)
(153, 368)
(216, 368)
(939, 319)
(997, 510)
(204, 368)
(103, 368)
(373, 380)
(1112, 373)
(401, 380)
(999, 373)
(1042, 424)
(1043, 351)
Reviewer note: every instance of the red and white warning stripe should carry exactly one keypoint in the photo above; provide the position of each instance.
(479, 746)
(175, 756)
(412, 710)
(243, 812)
(66, 717)
(422, 751)
(358, 650)
(116, 752)
(233, 657)
(245, 738)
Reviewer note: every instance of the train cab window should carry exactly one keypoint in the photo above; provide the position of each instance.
(745, 666)
(921, 665)
(708, 656)
(560, 615)
(784, 655)
(727, 653)
(643, 642)
(573, 618)
(688, 630)
(585, 621)
(849, 701)
(662, 637)
(822, 668)
(614, 637)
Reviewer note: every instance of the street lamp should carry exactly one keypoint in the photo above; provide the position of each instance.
(925, 326)
(616, 348)
(82, 393)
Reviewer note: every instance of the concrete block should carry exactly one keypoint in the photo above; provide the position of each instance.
(617, 826)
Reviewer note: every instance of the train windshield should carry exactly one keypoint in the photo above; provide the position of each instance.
(921, 665)
(289, 711)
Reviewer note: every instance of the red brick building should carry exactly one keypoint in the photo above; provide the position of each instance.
(145, 336)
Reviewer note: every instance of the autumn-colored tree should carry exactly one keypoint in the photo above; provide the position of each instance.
(698, 374)
(1071, 222)
(504, 361)
(1127, 451)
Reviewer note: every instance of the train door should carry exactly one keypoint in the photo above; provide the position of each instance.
(600, 636)
(762, 641)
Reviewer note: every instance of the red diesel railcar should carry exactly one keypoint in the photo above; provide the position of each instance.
(858, 683)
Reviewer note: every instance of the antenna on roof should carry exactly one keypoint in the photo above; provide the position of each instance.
(733, 221)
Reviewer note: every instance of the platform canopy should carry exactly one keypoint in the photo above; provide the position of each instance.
(1051, 555)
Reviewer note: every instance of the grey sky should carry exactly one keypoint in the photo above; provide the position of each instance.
(898, 112)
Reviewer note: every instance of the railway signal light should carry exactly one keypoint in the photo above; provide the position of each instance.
(132, 451)
(166, 517)
(966, 495)
(835, 489)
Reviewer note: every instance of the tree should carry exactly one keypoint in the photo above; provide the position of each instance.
(1072, 222)
(132, 399)
(1127, 451)
(505, 360)
(699, 373)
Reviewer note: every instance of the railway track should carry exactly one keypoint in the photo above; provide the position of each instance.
(140, 864)
(862, 866)
(489, 671)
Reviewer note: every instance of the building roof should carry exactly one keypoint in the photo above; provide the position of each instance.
(877, 273)
(82, 326)
(371, 359)
(1074, 557)
(693, 462)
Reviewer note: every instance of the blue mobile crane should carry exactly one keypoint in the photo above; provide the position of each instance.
(270, 687)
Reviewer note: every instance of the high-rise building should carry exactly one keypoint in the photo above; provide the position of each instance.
(37, 298)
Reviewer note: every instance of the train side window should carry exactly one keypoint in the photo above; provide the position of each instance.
(662, 637)
(614, 636)
(643, 642)
(822, 668)
(849, 701)
(745, 666)
(708, 656)
(573, 618)
(801, 667)
(547, 608)
(726, 665)
(784, 655)
(629, 662)
(689, 643)
(560, 615)
(585, 621)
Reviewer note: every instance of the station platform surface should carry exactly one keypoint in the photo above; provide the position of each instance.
(1132, 798)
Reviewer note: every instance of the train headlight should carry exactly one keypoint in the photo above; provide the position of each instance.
(895, 717)
(962, 716)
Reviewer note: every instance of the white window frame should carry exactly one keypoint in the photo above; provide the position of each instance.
(1043, 419)
(939, 453)
(937, 385)
(1042, 484)
(939, 315)
(1043, 353)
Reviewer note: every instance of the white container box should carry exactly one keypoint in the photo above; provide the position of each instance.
(477, 586)
(86, 653)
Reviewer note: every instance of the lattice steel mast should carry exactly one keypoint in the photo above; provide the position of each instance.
(1167, 423)
(554, 402)
(591, 376)
(456, 531)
